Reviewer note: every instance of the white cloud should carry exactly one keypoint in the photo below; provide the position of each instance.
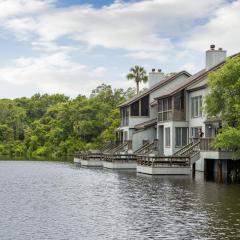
(51, 73)
(169, 32)
(10, 8)
(99, 71)
(222, 29)
(143, 28)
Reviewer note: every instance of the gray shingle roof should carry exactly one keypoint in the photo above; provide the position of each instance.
(146, 124)
(154, 87)
(197, 80)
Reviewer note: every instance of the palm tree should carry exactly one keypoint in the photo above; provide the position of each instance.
(138, 74)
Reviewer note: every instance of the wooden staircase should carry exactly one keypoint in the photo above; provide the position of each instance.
(147, 148)
(191, 150)
(120, 147)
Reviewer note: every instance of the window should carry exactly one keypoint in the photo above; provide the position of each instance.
(124, 116)
(167, 137)
(196, 106)
(145, 106)
(164, 109)
(195, 132)
(140, 107)
(179, 101)
(125, 136)
(135, 109)
(181, 136)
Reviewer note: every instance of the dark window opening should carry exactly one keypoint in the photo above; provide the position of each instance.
(145, 106)
(124, 116)
(135, 109)
(179, 101)
(181, 136)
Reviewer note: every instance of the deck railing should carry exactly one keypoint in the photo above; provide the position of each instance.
(144, 146)
(194, 148)
(147, 148)
(119, 147)
(110, 147)
(91, 156)
(183, 149)
(157, 161)
(206, 144)
(120, 157)
(106, 146)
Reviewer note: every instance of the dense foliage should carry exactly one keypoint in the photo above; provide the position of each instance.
(55, 125)
(223, 100)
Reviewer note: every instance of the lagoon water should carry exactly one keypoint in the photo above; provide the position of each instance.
(52, 200)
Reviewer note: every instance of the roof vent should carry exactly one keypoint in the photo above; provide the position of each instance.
(220, 49)
(153, 70)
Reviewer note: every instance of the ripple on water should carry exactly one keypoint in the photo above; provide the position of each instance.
(45, 200)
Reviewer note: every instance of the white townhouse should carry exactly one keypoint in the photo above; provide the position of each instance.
(171, 112)
(180, 114)
(139, 114)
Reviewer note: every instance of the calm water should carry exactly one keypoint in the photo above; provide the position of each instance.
(50, 200)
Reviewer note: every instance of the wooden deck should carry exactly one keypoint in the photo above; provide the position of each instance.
(158, 161)
(120, 157)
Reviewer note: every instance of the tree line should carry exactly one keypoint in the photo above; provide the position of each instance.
(52, 126)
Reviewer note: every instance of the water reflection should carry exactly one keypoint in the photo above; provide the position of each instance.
(44, 200)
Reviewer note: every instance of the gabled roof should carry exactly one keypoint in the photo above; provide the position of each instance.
(154, 87)
(199, 85)
(196, 81)
(177, 88)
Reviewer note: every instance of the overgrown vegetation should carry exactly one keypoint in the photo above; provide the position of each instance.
(223, 101)
(54, 125)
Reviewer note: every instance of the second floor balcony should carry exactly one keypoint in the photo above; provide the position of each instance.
(172, 108)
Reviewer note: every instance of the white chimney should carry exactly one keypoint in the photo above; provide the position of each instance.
(214, 56)
(155, 77)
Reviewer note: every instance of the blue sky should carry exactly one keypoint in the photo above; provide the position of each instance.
(72, 46)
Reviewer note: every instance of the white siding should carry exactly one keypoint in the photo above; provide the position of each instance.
(172, 125)
(147, 134)
(152, 110)
(137, 120)
(196, 121)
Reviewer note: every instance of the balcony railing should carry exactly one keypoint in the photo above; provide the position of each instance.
(178, 115)
(206, 144)
(171, 115)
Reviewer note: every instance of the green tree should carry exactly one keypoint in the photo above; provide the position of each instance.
(138, 74)
(54, 125)
(223, 101)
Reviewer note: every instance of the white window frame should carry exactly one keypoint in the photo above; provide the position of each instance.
(191, 131)
(196, 106)
(181, 137)
(166, 142)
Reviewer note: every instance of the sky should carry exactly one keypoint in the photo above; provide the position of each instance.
(72, 46)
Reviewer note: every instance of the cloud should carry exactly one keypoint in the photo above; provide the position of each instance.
(145, 29)
(221, 29)
(11, 8)
(65, 41)
(52, 73)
